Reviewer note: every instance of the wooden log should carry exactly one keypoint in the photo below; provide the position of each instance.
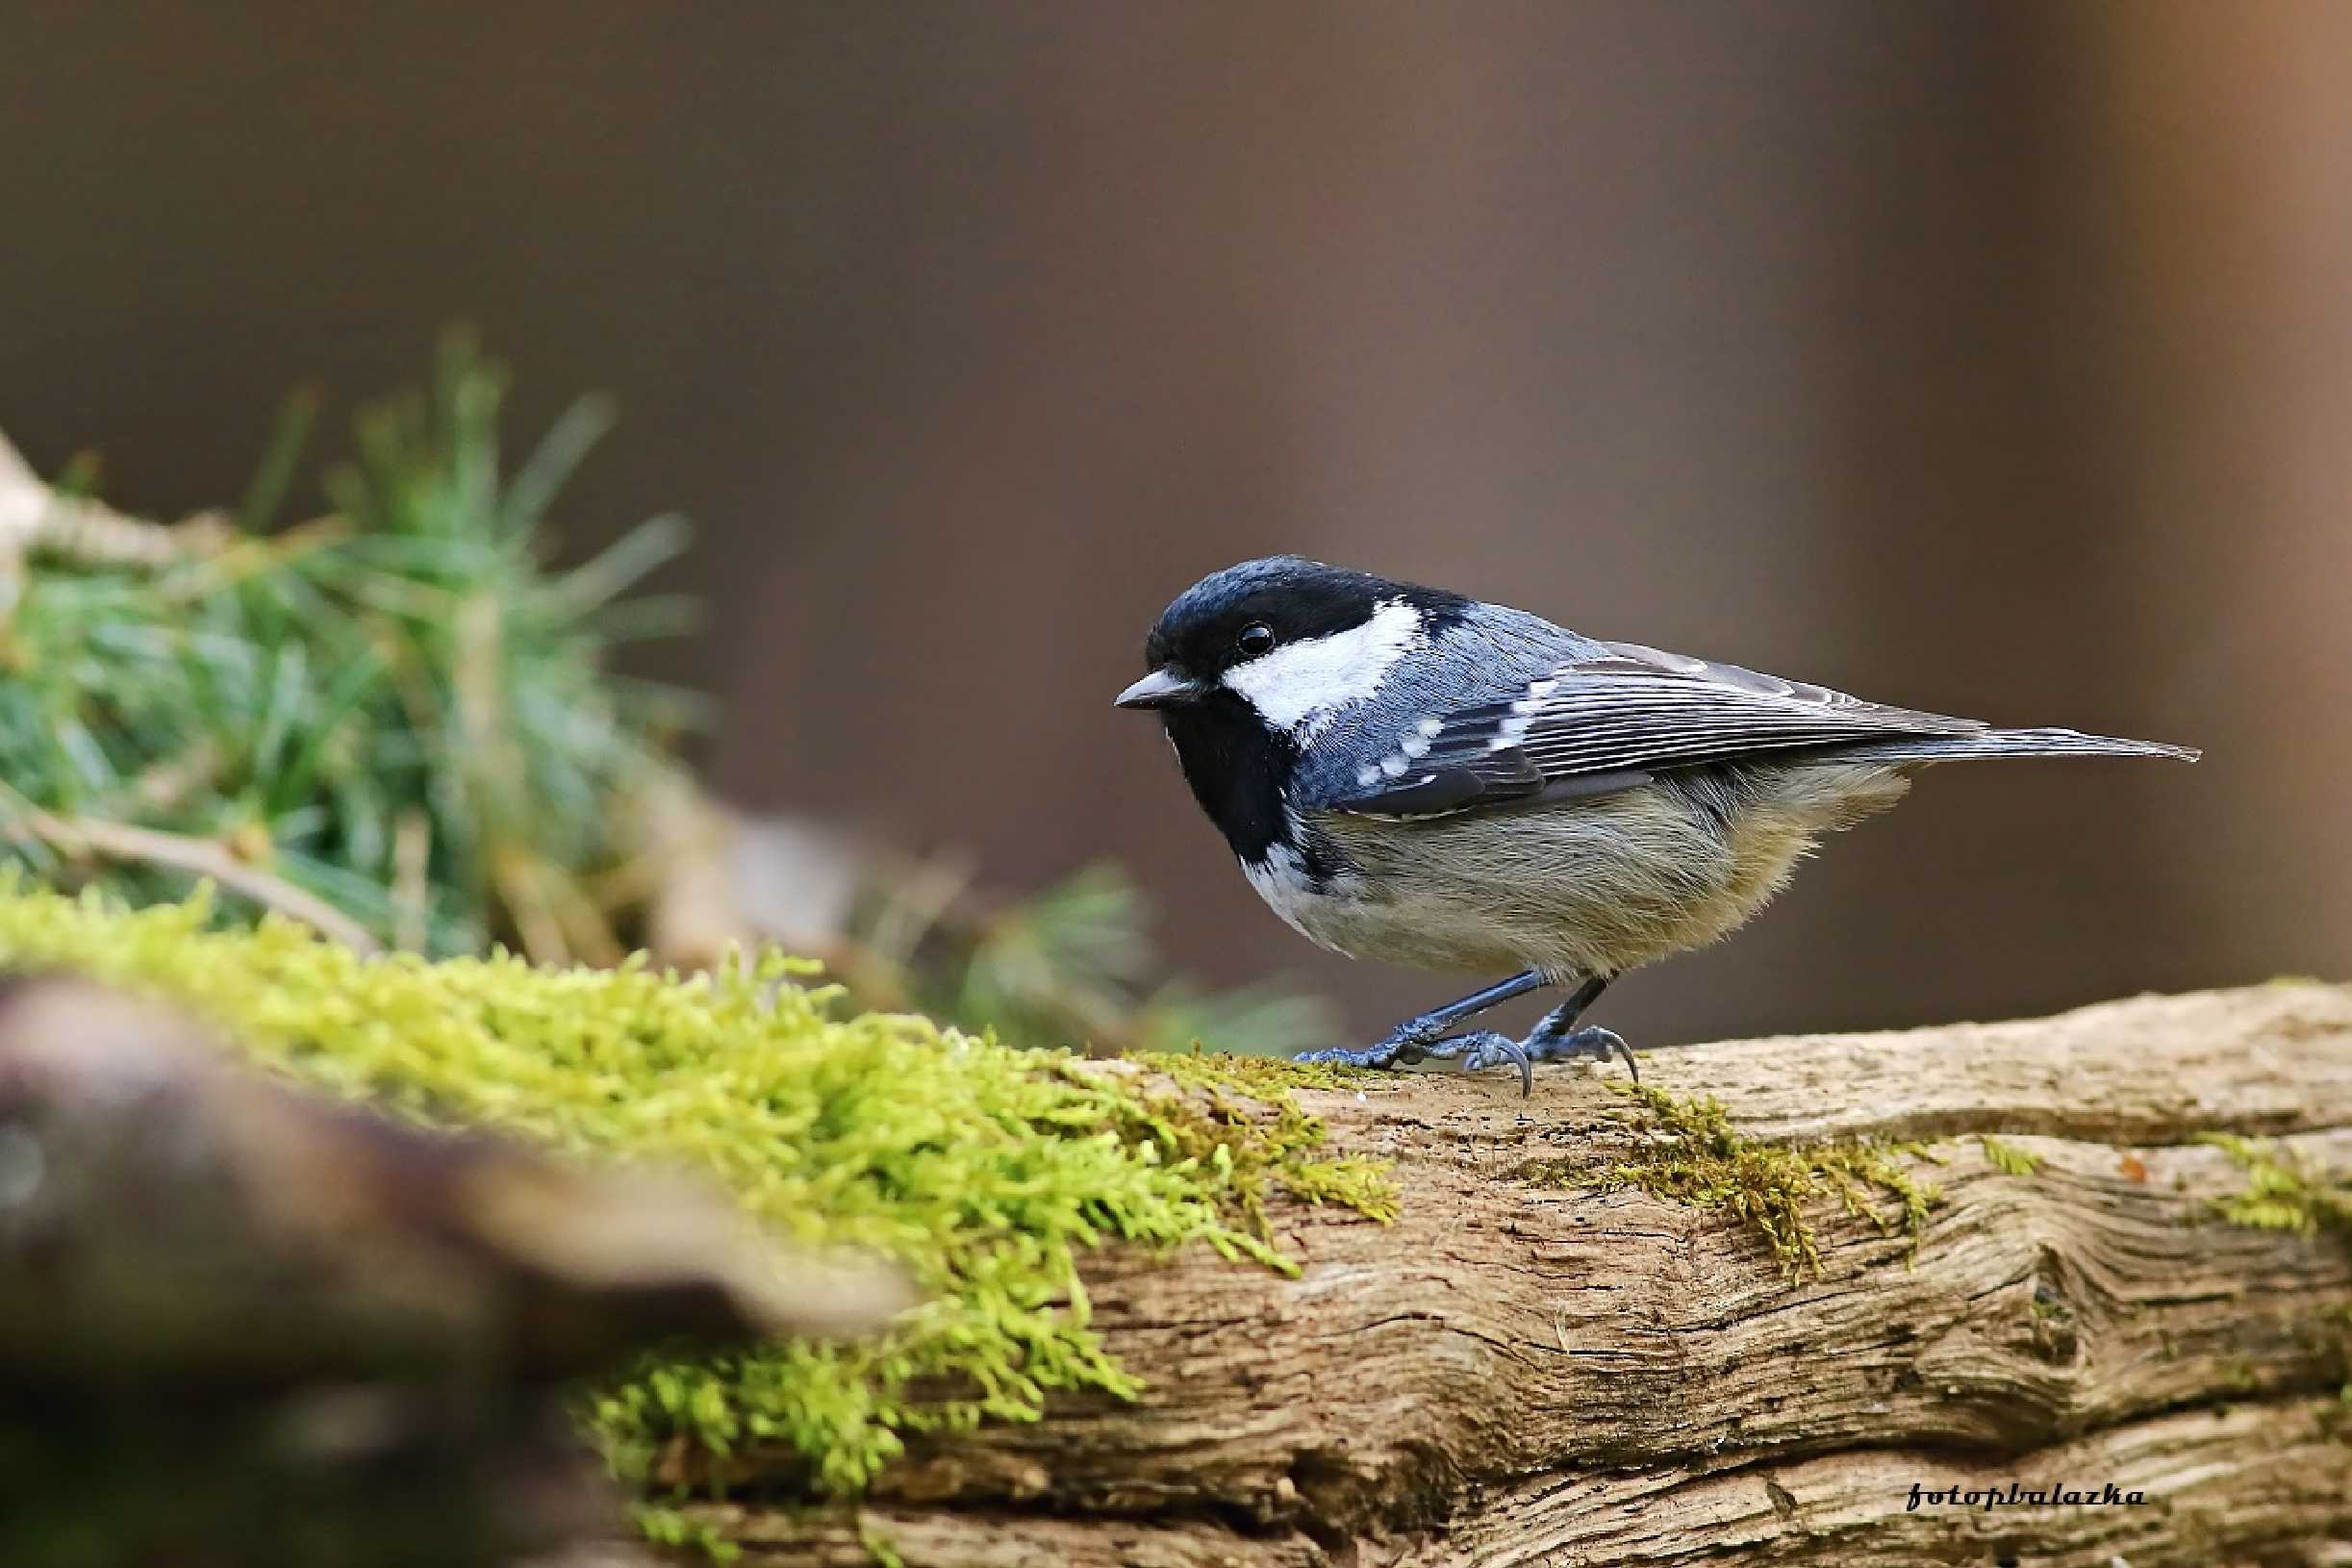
(1555, 1357)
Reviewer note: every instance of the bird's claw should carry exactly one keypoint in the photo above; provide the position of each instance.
(1483, 1049)
(1589, 1041)
(1487, 1049)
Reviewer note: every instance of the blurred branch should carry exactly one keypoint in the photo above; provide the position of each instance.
(35, 517)
(224, 1306)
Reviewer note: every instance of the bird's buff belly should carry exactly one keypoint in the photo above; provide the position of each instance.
(1593, 887)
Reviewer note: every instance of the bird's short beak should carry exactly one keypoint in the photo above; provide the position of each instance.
(1163, 688)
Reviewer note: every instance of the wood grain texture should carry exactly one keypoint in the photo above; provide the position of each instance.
(1525, 1373)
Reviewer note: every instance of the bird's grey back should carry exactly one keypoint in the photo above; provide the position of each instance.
(1489, 655)
(1623, 713)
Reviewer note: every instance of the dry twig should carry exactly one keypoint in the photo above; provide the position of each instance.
(81, 837)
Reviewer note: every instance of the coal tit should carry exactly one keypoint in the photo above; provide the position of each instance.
(1411, 776)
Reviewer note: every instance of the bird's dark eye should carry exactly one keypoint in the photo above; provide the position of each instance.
(1256, 639)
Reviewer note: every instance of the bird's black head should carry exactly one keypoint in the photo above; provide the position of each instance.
(1317, 632)
(1250, 663)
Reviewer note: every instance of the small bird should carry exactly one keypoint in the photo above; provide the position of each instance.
(1414, 777)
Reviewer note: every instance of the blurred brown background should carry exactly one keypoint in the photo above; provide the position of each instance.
(1988, 358)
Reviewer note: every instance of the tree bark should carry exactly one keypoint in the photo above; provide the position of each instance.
(1529, 1367)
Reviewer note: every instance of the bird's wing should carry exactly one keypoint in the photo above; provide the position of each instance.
(1600, 724)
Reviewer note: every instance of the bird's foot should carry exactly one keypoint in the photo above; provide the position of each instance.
(1482, 1048)
(1487, 1049)
(1410, 1042)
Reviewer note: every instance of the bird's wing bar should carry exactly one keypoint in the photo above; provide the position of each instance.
(1608, 723)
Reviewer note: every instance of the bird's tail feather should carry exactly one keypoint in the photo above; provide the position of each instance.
(2010, 743)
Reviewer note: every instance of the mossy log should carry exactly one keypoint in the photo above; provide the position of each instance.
(1581, 1341)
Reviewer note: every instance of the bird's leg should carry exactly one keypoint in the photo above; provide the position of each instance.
(1410, 1041)
(1556, 1038)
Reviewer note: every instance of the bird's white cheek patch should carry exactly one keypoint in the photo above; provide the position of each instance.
(1302, 686)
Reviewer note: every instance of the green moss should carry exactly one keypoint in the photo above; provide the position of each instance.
(667, 1526)
(1768, 1188)
(987, 1170)
(2008, 1159)
(2282, 1192)
(1236, 1115)
(1261, 1077)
